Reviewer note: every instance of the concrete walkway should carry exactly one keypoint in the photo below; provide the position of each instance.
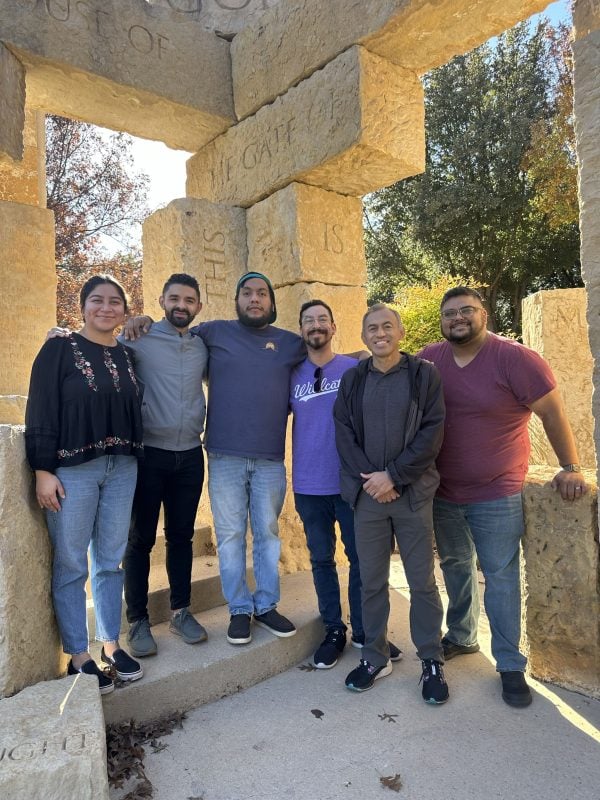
(302, 735)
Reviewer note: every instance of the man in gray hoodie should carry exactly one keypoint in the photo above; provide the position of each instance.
(171, 363)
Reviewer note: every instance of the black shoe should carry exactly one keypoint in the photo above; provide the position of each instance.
(126, 667)
(515, 690)
(435, 688)
(365, 675)
(395, 652)
(90, 667)
(238, 631)
(452, 649)
(276, 623)
(330, 648)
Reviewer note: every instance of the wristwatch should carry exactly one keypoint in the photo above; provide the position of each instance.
(570, 467)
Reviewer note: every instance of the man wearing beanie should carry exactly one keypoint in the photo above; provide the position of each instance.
(250, 363)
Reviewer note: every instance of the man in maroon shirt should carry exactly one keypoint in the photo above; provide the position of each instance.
(491, 386)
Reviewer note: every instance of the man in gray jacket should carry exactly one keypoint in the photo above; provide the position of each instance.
(389, 419)
(171, 364)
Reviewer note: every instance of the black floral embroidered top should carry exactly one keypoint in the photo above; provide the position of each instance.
(84, 402)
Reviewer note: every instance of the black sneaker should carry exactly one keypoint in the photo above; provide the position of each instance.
(515, 690)
(435, 688)
(365, 675)
(395, 652)
(90, 667)
(330, 648)
(276, 623)
(452, 649)
(238, 631)
(126, 667)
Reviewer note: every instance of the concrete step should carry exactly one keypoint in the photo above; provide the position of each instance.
(186, 676)
(206, 592)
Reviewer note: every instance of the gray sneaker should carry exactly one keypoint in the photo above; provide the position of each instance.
(183, 624)
(140, 640)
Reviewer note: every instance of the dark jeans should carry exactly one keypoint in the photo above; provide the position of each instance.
(413, 530)
(319, 514)
(175, 480)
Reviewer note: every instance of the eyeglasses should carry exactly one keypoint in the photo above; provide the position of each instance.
(465, 311)
(318, 378)
(322, 320)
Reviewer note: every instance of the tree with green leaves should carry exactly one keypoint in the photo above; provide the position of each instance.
(476, 212)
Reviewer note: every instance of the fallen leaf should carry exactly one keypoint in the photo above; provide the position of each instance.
(392, 782)
(389, 717)
(316, 712)
(307, 667)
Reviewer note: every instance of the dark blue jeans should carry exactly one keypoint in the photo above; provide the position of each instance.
(173, 478)
(319, 514)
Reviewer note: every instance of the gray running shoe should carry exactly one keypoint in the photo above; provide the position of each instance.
(185, 625)
(140, 640)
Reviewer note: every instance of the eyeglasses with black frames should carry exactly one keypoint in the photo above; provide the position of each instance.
(467, 312)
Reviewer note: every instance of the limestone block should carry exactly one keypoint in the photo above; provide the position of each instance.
(12, 106)
(337, 130)
(12, 409)
(562, 584)
(25, 181)
(348, 304)
(53, 742)
(555, 326)
(28, 299)
(226, 17)
(205, 240)
(293, 39)
(26, 616)
(302, 233)
(586, 54)
(294, 552)
(123, 64)
(586, 17)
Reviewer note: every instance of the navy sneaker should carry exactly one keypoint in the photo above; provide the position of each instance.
(90, 667)
(276, 623)
(126, 667)
(365, 675)
(238, 631)
(515, 690)
(435, 688)
(330, 649)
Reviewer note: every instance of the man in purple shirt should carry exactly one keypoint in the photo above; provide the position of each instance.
(315, 478)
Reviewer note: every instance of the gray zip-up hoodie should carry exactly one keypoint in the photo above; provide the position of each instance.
(171, 366)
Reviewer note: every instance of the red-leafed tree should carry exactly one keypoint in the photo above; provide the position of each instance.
(99, 201)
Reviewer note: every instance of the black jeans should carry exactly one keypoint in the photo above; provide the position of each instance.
(174, 479)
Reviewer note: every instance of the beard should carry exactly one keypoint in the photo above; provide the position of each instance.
(252, 321)
(319, 343)
(179, 322)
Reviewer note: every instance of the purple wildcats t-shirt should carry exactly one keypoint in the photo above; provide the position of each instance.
(315, 462)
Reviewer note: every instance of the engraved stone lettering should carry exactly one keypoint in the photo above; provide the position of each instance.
(186, 6)
(22, 752)
(333, 238)
(232, 5)
(59, 9)
(140, 39)
(214, 258)
(2, 753)
(74, 744)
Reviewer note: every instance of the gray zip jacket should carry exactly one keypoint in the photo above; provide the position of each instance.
(171, 367)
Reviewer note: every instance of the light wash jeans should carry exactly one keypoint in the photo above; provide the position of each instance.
(242, 489)
(490, 531)
(95, 514)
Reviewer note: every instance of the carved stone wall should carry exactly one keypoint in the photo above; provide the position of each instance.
(555, 325)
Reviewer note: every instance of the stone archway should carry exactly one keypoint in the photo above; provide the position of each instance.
(311, 105)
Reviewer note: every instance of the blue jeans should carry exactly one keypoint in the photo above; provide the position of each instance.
(490, 531)
(94, 514)
(242, 489)
(319, 514)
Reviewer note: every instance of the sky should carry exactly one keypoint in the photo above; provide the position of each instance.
(166, 167)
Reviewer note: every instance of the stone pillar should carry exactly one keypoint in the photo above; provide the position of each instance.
(310, 243)
(586, 54)
(12, 106)
(554, 325)
(29, 643)
(562, 584)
